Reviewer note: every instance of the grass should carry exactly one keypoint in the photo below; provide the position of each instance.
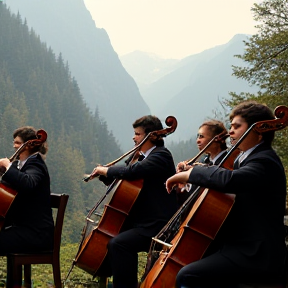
(42, 275)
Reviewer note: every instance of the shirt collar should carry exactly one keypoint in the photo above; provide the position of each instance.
(147, 152)
(217, 156)
(21, 163)
(247, 153)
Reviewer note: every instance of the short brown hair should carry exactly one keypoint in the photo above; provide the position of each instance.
(252, 112)
(216, 127)
(150, 123)
(27, 133)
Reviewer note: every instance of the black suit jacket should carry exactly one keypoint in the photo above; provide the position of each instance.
(253, 234)
(153, 206)
(31, 210)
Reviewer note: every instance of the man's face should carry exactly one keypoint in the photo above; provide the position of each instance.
(139, 135)
(204, 136)
(17, 142)
(238, 127)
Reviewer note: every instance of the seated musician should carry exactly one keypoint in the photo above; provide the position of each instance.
(252, 238)
(29, 223)
(152, 208)
(214, 153)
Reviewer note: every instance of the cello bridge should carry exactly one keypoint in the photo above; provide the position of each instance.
(166, 246)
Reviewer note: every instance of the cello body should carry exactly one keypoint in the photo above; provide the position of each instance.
(208, 211)
(203, 222)
(96, 235)
(195, 235)
(7, 196)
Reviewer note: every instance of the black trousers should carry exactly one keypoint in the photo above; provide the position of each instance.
(122, 253)
(20, 239)
(217, 271)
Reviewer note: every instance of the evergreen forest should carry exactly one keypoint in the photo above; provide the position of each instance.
(266, 55)
(36, 89)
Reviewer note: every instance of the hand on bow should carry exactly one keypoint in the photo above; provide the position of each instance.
(4, 165)
(99, 170)
(182, 166)
(177, 179)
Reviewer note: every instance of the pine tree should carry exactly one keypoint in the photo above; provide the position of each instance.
(266, 55)
(37, 89)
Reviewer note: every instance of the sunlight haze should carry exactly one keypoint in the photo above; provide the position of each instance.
(171, 28)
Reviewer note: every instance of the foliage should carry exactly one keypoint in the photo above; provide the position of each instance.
(37, 90)
(266, 53)
(183, 150)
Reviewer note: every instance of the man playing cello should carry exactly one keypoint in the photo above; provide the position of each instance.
(152, 208)
(252, 238)
(28, 226)
(214, 153)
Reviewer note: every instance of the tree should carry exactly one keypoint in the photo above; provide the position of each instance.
(37, 90)
(266, 54)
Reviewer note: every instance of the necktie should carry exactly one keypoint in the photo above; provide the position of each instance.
(141, 157)
(138, 156)
(207, 160)
(237, 161)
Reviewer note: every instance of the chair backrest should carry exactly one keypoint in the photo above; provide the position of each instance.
(58, 201)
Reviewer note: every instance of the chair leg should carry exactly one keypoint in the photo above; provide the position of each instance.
(14, 274)
(9, 278)
(103, 281)
(57, 274)
(17, 276)
(27, 276)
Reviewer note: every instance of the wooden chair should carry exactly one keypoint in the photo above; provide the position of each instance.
(16, 261)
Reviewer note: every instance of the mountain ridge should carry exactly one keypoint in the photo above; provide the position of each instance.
(194, 85)
(68, 28)
(197, 85)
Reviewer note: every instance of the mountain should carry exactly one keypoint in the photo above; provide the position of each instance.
(68, 28)
(193, 90)
(37, 90)
(147, 68)
(191, 87)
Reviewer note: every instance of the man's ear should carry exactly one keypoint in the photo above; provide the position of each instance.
(26, 148)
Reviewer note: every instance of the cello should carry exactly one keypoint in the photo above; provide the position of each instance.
(169, 231)
(201, 225)
(111, 215)
(7, 194)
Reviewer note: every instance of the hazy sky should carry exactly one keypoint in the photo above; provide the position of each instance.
(171, 28)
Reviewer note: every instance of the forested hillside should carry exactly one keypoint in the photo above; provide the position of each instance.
(37, 89)
(67, 26)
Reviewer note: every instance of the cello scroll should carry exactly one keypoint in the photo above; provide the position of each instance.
(171, 122)
(280, 121)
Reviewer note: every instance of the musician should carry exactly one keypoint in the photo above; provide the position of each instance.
(253, 239)
(153, 207)
(214, 153)
(29, 224)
